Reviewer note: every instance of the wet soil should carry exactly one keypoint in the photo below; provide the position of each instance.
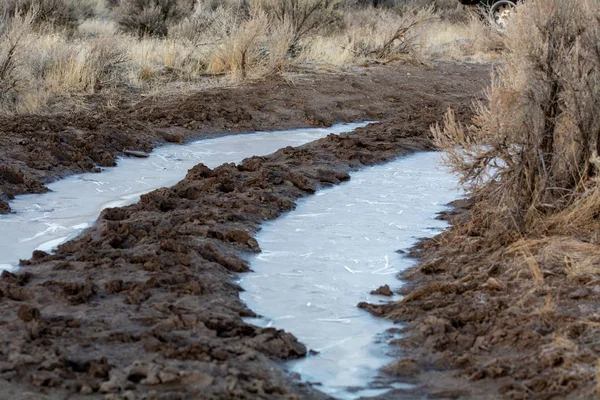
(479, 324)
(38, 149)
(143, 304)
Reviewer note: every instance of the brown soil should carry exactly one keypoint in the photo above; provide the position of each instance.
(39, 149)
(143, 304)
(479, 324)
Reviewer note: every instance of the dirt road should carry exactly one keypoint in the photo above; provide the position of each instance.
(143, 304)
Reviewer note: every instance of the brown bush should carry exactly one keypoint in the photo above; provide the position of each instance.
(150, 17)
(233, 5)
(110, 4)
(304, 16)
(254, 49)
(450, 10)
(532, 153)
(12, 37)
(63, 14)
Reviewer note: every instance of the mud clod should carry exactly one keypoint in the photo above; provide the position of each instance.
(383, 291)
(143, 303)
(4, 207)
(27, 313)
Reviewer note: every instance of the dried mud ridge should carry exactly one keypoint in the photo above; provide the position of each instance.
(143, 303)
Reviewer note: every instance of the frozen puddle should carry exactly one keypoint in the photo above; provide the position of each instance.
(44, 221)
(320, 260)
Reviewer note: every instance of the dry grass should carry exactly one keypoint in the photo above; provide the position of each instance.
(256, 48)
(473, 40)
(530, 155)
(44, 15)
(372, 35)
(597, 376)
(220, 41)
(560, 255)
(302, 16)
(14, 38)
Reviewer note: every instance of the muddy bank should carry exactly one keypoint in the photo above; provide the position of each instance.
(38, 149)
(479, 323)
(143, 302)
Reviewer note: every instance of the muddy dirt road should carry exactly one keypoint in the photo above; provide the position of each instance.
(143, 304)
(38, 149)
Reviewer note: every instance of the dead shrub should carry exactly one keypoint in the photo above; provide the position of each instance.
(371, 35)
(209, 23)
(110, 4)
(61, 14)
(86, 69)
(484, 38)
(233, 5)
(304, 16)
(402, 39)
(13, 33)
(532, 152)
(150, 17)
(256, 47)
(451, 11)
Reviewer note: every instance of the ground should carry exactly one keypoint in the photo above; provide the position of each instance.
(144, 301)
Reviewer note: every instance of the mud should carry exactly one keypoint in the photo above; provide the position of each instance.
(38, 149)
(143, 304)
(477, 325)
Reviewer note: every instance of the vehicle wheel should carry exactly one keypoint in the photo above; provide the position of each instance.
(500, 13)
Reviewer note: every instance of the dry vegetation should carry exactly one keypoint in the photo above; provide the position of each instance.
(65, 49)
(531, 156)
(530, 161)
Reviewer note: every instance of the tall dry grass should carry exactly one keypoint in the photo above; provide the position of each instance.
(156, 45)
(13, 34)
(62, 15)
(373, 35)
(530, 157)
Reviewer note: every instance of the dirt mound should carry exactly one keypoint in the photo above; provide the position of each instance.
(144, 301)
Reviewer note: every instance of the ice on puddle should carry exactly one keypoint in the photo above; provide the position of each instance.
(338, 320)
(51, 244)
(8, 267)
(80, 226)
(75, 202)
(352, 250)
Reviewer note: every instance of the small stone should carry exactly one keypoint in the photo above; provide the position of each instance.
(403, 368)
(114, 384)
(477, 375)
(174, 138)
(38, 254)
(27, 313)
(135, 153)
(167, 376)
(19, 358)
(579, 294)
(86, 389)
(45, 378)
(383, 291)
(494, 284)
(4, 207)
(434, 266)
(129, 395)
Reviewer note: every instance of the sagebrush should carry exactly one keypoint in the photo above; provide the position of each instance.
(531, 154)
(62, 14)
